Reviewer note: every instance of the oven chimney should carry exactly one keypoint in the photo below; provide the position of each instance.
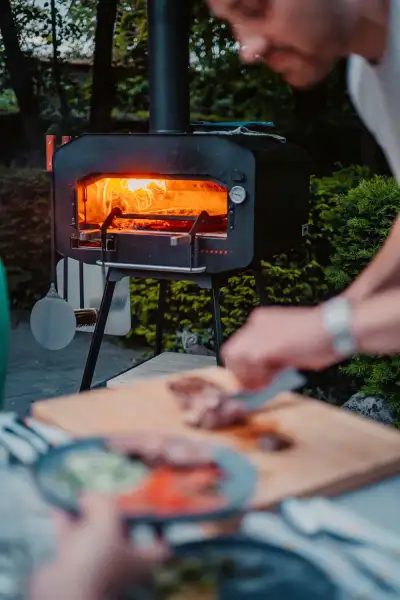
(169, 27)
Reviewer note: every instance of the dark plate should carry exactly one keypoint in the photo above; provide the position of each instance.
(237, 485)
(262, 571)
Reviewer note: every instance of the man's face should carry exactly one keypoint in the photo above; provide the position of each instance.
(300, 39)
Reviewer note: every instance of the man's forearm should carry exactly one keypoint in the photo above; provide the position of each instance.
(376, 324)
(382, 274)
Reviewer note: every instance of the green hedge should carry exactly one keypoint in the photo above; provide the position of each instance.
(298, 278)
(349, 217)
(25, 233)
(360, 222)
(293, 279)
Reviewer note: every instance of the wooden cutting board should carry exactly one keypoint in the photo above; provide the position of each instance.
(333, 451)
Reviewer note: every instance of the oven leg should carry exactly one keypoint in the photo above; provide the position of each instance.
(98, 334)
(260, 287)
(217, 323)
(162, 301)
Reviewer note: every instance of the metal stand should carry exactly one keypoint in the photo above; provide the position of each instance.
(216, 313)
(203, 280)
(114, 275)
(98, 333)
(162, 302)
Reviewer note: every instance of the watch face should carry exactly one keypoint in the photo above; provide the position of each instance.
(15, 566)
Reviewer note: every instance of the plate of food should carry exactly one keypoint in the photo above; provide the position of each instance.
(154, 478)
(237, 567)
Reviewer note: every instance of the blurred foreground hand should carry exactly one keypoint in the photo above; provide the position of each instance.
(95, 557)
(277, 338)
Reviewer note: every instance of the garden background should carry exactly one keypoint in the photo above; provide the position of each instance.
(69, 66)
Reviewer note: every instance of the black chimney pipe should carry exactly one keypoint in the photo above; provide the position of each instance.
(169, 27)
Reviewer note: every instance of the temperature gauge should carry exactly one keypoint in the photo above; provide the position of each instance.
(238, 194)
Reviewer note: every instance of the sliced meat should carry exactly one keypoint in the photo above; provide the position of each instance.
(206, 405)
(156, 450)
(210, 415)
(233, 412)
(273, 442)
(136, 444)
(192, 386)
(188, 388)
(206, 418)
(186, 453)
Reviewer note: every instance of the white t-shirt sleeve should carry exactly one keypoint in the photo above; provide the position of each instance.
(375, 92)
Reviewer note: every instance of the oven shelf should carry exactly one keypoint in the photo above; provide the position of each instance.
(159, 268)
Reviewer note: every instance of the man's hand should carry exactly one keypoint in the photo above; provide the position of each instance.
(95, 557)
(276, 338)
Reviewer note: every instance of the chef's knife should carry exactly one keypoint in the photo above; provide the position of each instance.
(286, 381)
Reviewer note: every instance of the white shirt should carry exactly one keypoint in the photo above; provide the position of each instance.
(375, 92)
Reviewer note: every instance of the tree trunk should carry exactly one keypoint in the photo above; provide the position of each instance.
(21, 79)
(308, 105)
(103, 88)
(64, 108)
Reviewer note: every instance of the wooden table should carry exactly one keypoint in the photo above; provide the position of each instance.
(331, 451)
(378, 502)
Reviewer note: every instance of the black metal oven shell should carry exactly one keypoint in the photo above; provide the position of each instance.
(274, 175)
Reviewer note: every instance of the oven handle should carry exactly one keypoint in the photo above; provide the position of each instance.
(161, 268)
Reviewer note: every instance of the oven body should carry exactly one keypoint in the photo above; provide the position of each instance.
(265, 218)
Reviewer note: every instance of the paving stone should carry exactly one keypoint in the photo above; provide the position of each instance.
(35, 373)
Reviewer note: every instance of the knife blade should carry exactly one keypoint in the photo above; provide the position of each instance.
(286, 381)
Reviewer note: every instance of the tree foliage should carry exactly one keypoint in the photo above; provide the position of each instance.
(221, 86)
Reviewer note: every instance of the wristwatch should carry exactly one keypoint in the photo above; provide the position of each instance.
(337, 318)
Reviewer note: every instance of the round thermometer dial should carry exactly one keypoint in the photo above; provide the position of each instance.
(237, 194)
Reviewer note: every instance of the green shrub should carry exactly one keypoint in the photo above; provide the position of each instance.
(360, 222)
(25, 233)
(287, 282)
(324, 193)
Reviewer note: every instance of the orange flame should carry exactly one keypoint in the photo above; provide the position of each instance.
(150, 196)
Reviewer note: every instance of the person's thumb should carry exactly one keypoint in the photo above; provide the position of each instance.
(99, 510)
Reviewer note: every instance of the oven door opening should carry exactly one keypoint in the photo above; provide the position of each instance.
(140, 205)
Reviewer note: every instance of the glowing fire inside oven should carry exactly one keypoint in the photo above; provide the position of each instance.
(152, 197)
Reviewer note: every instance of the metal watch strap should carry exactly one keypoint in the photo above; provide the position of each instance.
(337, 317)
